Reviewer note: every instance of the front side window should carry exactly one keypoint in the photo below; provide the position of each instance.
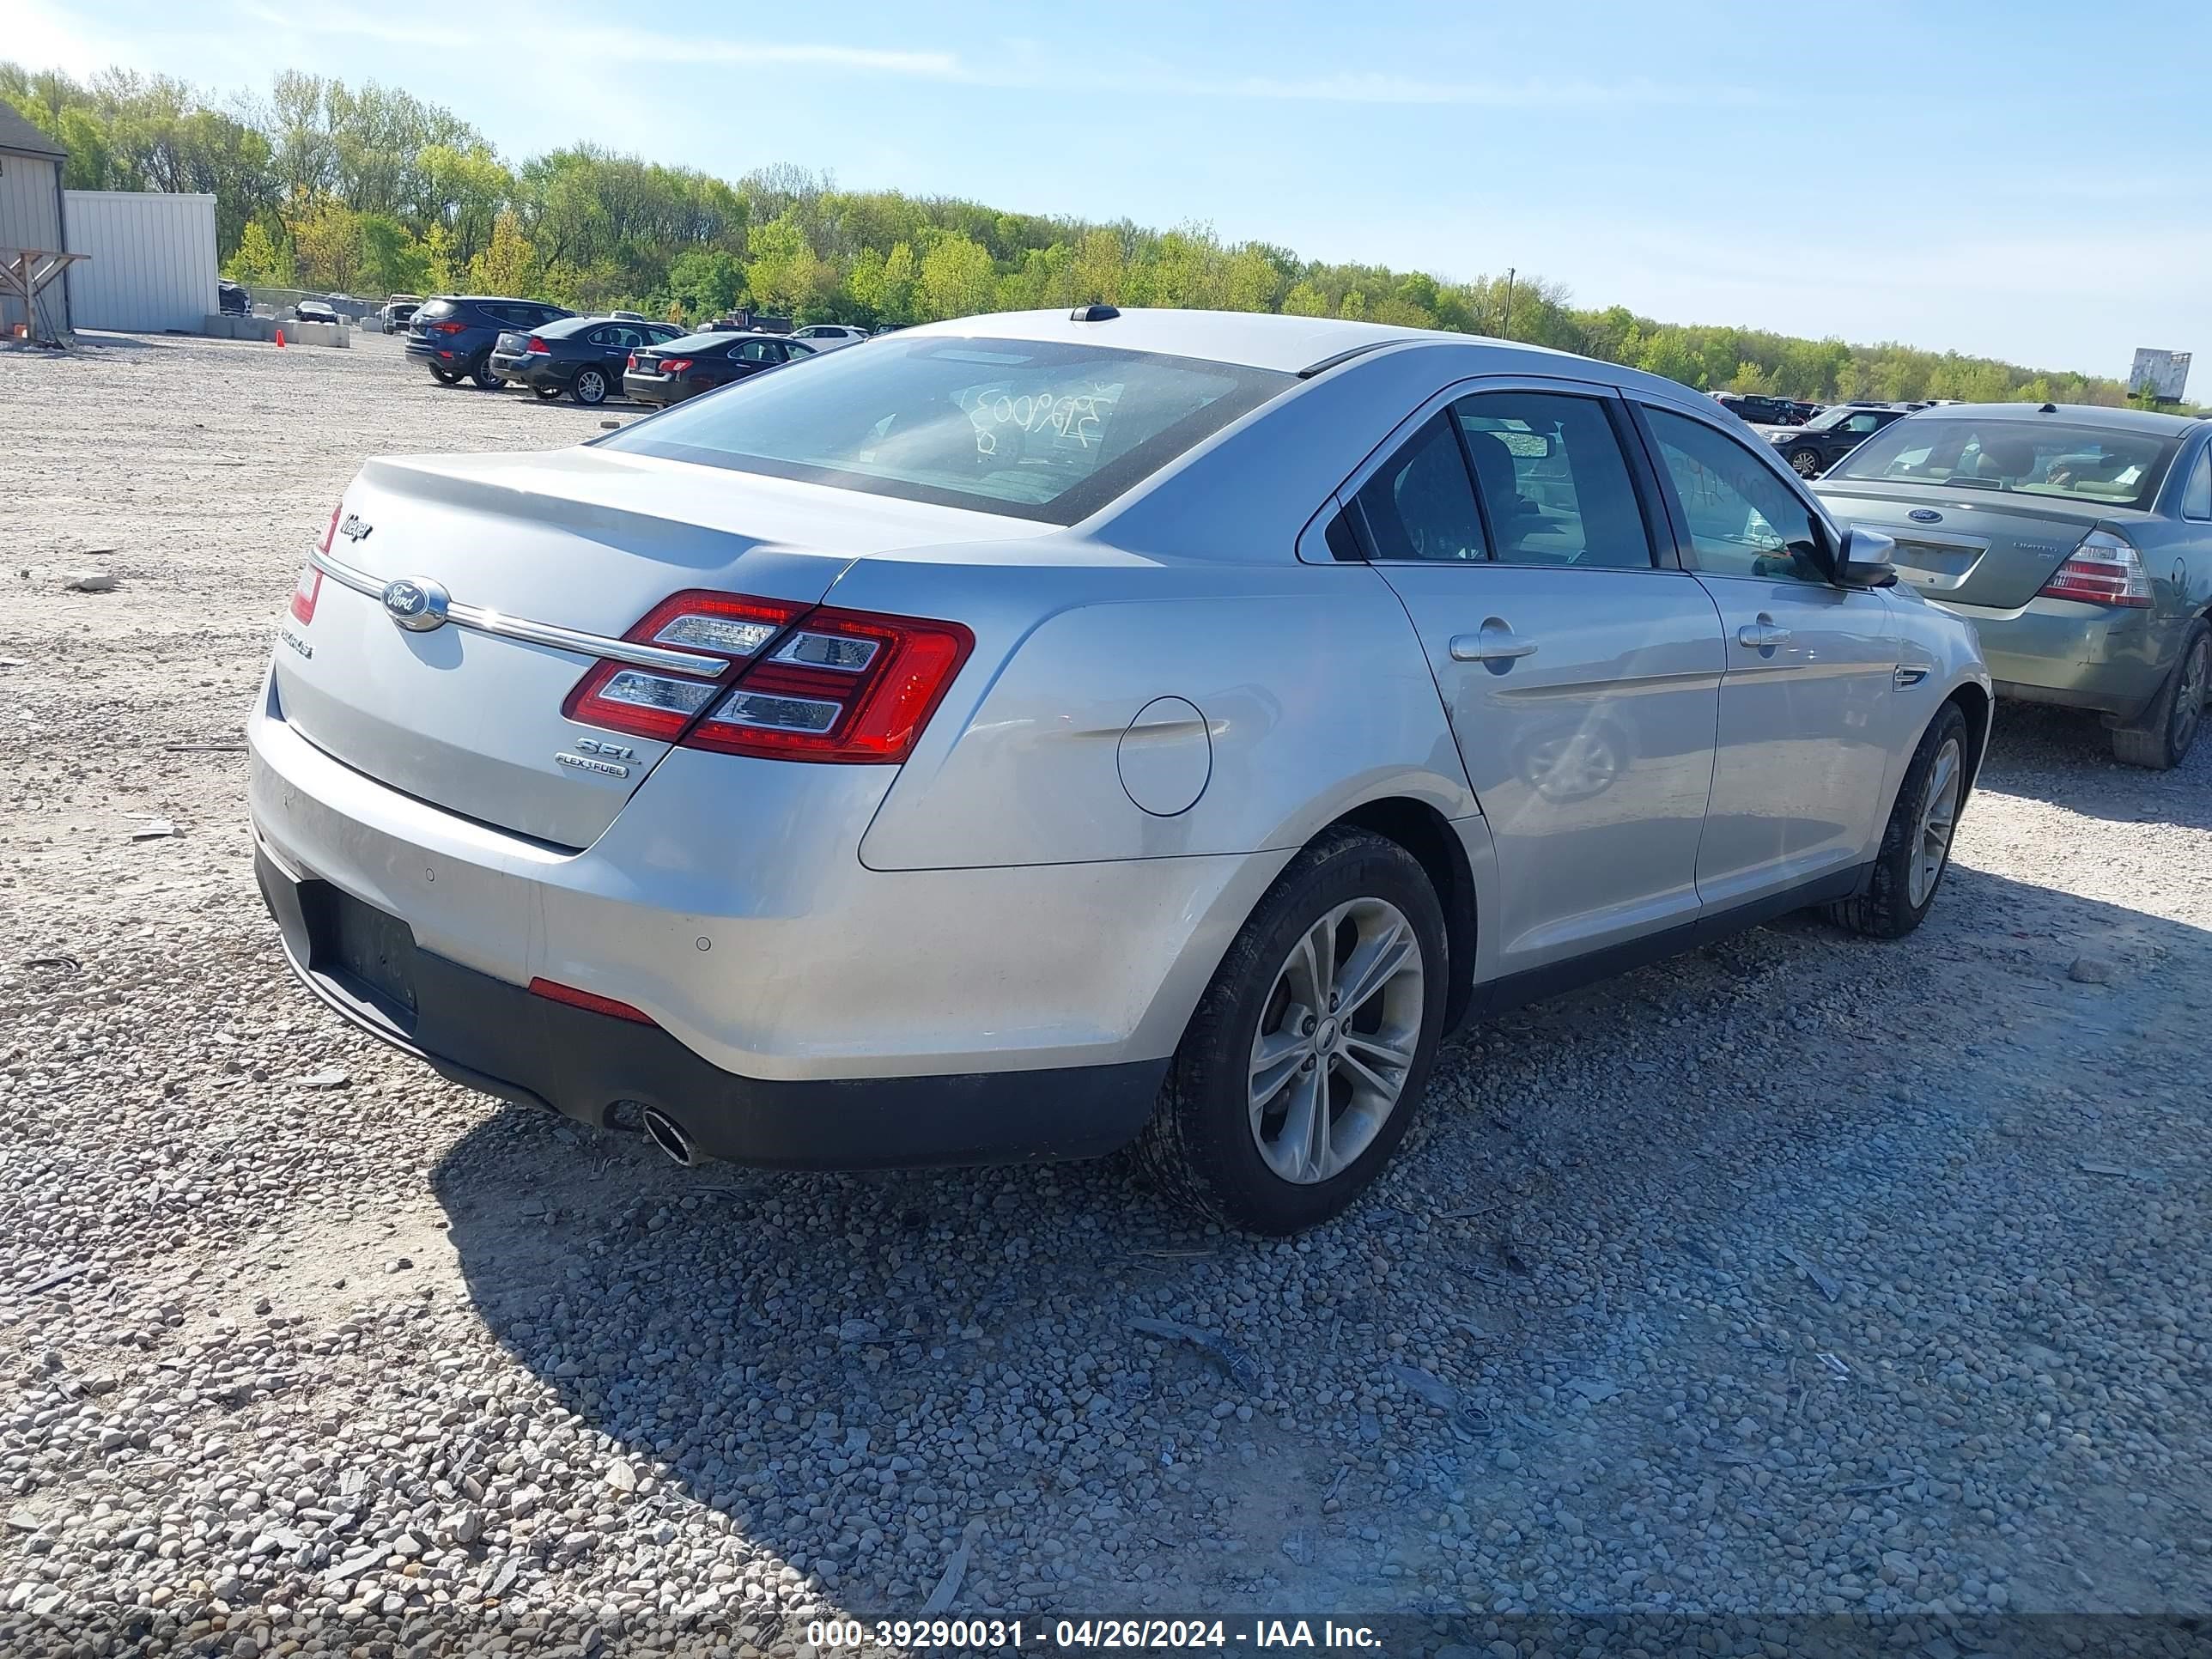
(1554, 487)
(1742, 520)
(2028, 455)
(1418, 505)
(1035, 429)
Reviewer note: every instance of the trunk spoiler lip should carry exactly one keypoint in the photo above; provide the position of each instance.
(486, 620)
(2015, 503)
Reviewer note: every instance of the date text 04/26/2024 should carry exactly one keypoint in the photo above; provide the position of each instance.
(994, 1635)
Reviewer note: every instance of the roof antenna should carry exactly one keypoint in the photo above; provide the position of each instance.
(1093, 314)
(2048, 409)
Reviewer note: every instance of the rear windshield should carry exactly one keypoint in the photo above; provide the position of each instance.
(2024, 456)
(436, 308)
(1045, 431)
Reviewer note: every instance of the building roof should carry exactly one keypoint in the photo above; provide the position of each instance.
(17, 133)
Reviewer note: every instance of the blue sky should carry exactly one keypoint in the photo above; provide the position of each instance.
(2025, 179)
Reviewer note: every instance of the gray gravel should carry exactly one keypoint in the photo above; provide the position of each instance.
(1802, 1274)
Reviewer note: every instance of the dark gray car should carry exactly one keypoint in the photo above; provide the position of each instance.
(2078, 541)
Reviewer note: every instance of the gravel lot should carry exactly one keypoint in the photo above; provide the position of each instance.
(1802, 1274)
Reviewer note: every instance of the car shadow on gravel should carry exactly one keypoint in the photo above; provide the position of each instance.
(851, 1370)
(2063, 756)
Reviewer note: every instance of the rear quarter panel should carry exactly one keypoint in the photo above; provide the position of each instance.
(1310, 685)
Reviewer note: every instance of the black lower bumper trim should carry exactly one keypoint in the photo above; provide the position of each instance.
(491, 1035)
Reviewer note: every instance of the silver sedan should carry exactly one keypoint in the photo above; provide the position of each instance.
(1018, 736)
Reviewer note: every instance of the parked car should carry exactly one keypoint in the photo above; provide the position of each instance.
(582, 356)
(1031, 734)
(452, 335)
(1758, 409)
(233, 301)
(827, 337)
(684, 367)
(315, 310)
(2078, 540)
(396, 314)
(1819, 443)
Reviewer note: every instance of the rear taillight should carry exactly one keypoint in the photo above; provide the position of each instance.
(631, 363)
(447, 328)
(538, 346)
(2105, 569)
(674, 364)
(305, 591)
(836, 685)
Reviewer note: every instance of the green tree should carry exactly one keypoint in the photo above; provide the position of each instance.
(261, 260)
(706, 281)
(957, 279)
(508, 264)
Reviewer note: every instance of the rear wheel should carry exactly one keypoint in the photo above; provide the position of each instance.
(445, 376)
(1916, 846)
(547, 393)
(2163, 736)
(590, 386)
(1805, 462)
(480, 372)
(1304, 1064)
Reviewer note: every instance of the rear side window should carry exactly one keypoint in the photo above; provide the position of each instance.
(2197, 500)
(1418, 505)
(1555, 486)
(1046, 430)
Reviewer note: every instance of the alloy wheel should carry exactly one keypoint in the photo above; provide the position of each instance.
(1336, 1040)
(2189, 697)
(590, 386)
(1939, 816)
(1805, 463)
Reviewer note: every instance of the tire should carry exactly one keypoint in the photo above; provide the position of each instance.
(446, 376)
(1901, 891)
(480, 372)
(2162, 737)
(1804, 462)
(590, 387)
(1207, 1146)
(547, 393)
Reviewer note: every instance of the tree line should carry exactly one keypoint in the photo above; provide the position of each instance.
(368, 190)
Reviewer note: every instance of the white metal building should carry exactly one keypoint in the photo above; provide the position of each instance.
(31, 211)
(153, 264)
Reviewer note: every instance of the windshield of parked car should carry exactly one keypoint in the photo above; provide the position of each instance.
(1044, 430)
(2024, 455)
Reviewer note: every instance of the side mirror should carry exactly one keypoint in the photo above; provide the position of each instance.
(1867, 558)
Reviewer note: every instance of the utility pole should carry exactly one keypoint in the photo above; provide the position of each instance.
(1509, 302)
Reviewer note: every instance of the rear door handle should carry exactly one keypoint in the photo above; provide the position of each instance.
(1763, 634)
(1496, 642)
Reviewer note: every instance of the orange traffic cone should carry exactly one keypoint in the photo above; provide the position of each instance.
(280, 337)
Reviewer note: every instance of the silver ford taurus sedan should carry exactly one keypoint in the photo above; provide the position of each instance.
(1018, 736)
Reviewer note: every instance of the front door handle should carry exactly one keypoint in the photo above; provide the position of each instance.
(1496, 642)
(1763, 634)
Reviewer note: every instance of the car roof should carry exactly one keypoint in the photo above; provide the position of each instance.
(719, 337)
(2119, 420)
(1250, 339)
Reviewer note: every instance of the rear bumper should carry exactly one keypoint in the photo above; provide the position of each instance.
(487, 1034)
(2064, 652)
(728, 902)
(640, 389)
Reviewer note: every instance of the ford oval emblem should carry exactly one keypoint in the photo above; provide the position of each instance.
(1925, 516)
(416, 603)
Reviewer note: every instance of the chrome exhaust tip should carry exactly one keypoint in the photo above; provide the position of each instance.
(666, 1133)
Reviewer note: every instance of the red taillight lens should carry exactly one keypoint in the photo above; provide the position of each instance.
(539, 346)
(674, 365)
(331, 529)
(2105, 569)
(553, 991)
(305, 591)
(631, 363)
(652, 702)
(839, 685)
(447, 328)
(844, 685)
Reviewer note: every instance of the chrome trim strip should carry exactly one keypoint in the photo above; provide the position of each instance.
(486, 620)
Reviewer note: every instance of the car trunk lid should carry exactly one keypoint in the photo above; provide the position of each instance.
(470, 718)
(1971, 547)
